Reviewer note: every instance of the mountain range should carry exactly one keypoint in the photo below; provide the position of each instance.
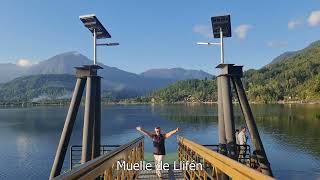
(176, 74)
(292, 76)
(115, 81)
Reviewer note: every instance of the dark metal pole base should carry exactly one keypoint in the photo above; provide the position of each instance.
(92, 115)
(92, 120)
(252, 127)
(229, 126)
(67, 129)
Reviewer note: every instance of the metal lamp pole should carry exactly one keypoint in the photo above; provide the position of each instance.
(230, 72)
(94, 47)
(221, 44)
(86, 76)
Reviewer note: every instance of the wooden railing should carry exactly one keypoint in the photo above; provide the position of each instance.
(245, 159)
(105, 166)
(75, 153)
(213, 164)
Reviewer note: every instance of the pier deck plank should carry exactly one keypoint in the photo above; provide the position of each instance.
(166, 174)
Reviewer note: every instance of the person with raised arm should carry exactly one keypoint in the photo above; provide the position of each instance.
(159, 150)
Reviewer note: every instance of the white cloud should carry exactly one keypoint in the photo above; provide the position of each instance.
(24, 63)
(277, 44)
(314, 18)
(203, 30)
(242, 30)
(294, 23)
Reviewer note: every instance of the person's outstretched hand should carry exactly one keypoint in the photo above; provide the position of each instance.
(138, 128)
(178, 129)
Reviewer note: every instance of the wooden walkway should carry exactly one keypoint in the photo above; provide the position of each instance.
(106, 164)
(166, 174)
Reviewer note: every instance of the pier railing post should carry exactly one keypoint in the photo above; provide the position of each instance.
(67, 129)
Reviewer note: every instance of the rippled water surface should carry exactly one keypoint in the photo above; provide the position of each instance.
(29, 136)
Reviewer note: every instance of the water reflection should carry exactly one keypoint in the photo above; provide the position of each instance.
(290, 133)
(296, 125)
(29, 136)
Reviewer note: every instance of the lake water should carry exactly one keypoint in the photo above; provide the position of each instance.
(29, 136)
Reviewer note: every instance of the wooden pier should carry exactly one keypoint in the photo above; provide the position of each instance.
(214, 164)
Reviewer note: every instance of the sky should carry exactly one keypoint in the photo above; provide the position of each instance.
(157, 34)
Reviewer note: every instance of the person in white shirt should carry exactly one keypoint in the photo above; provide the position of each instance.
(237, 133)
(242, 138)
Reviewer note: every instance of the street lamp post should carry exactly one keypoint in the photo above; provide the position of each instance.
(86, 76)
(98, 31)
(221, 26)
(92, 115)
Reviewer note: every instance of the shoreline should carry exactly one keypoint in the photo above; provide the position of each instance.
(66, 103)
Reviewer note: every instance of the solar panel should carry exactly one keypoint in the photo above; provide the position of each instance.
(222, 22)
(92, 23)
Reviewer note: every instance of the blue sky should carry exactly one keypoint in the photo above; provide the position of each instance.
(158, 34)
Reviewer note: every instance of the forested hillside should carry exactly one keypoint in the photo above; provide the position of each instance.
(38, 87)
(49, 88)
(194, 90)
(292, 77)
